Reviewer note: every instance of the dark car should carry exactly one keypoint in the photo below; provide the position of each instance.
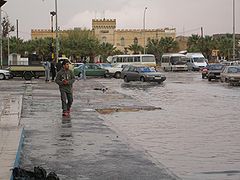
(141, 73)
(214, 71)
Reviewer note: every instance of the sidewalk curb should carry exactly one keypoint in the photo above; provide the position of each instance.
(18, 154)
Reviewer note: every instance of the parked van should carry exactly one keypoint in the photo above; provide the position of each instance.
(196, 61)
(174, 62)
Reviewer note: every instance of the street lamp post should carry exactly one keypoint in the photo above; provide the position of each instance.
(52, 13)
(234, 33)
(57, 40)
(2, 2)
(144, 30)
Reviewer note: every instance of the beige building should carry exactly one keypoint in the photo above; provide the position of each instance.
(105, 31)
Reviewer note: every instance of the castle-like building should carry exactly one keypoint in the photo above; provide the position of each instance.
(106, 32)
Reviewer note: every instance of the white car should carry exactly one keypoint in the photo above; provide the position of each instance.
(116, 70)
(4, 74)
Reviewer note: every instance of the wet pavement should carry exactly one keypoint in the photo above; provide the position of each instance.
(193, 132)
(196, 134)
(82, 146)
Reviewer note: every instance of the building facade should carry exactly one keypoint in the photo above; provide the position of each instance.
(106, 32)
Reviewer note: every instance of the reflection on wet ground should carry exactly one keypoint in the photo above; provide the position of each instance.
(82, 147)
(196, 134)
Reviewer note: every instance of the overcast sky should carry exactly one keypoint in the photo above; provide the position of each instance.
(215, 16)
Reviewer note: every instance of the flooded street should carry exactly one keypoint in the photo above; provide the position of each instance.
(196, 134)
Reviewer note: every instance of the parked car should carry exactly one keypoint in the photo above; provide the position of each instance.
(231, 75)
(104, 65)
(142, 73)
(116, 70)
(4, 74)
(76, 64)
(214, 71)
(91, 70)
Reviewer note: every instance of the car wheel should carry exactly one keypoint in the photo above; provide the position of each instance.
(2, 76)
(27, 76)
(142, 79)
(117, 75)
(126, 79)
(79, 75)
(209, 79)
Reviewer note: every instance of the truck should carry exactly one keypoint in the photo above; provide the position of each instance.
(33, 69)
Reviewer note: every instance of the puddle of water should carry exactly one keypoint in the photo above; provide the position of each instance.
(197, 130)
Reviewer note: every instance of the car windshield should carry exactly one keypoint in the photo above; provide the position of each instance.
(178, 60)
(234, 70)
(146, 69)
(216, 67)
(199, 60)
(106, 65)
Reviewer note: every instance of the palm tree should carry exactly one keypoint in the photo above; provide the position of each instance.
(154, 47)
(194, 43)
(135, 48)
(106, 49)
(168, 44)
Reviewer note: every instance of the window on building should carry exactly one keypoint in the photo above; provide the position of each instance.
(135, 41)
(122, 41)
(104, 39)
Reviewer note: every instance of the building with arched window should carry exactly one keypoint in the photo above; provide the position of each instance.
(105, 31)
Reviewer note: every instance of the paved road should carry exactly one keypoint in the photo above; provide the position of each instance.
(83, 146)
(196, 134)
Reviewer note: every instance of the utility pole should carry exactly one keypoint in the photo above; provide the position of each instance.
(57, 40)
(234, 33)
(2, 2)
(17, 27)
(144, 30)
(53, 13)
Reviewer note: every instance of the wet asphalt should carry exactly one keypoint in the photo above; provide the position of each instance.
(82, 146)
(196, 134)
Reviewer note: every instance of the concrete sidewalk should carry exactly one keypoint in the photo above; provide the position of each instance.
(83, 146)
(11, 134)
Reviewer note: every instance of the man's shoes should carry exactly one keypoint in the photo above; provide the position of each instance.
(65, 113)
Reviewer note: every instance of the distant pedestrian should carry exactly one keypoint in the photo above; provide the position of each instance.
(47, 67)
(59, 66)
(53, 70)
(65, 79)
(83, 71)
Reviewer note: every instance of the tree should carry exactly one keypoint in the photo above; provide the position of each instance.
(106, 49)
(154, 47)
(168, 44)
(6, 27)
(158, 47)
(80, 44)
(135, 48)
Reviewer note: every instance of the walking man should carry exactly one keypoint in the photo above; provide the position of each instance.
(65, 79)
(47, 67)
(53, 70)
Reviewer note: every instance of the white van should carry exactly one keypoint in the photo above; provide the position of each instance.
(196, 61)
(174, 62)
